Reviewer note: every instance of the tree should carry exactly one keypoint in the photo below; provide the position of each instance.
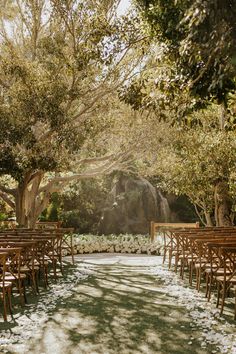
(82, 204)
(199, 37)
(62, 62)
(192, 66)
(197, 161)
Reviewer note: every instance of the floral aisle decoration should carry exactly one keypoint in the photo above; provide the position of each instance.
(138, 244)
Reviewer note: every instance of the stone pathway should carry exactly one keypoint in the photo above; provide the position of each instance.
(124, 306)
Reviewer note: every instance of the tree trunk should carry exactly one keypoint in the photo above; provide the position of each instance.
(223, 116)
(208, 219)
(21, 215)
(223, 204)
(204, 215)
(26, 197)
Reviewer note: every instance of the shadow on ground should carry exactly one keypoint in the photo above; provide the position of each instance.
(120, 309)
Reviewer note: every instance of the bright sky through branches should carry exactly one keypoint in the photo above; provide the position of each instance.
(123, 7)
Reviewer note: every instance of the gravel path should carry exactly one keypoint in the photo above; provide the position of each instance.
(127, 305)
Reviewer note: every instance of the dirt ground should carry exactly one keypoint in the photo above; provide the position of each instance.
(124, 307)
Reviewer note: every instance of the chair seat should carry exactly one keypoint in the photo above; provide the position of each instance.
(208, 265)
(220, 271)
(231, 280)
(186, 257)
(7, 284)
(200, 265)
(11, 277)
(47, 258)
(44, 260)
(210, 270)
(26, 269)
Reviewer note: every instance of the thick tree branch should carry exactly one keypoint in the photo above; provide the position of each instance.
(199, 215)
(106, 168)
(6, 190)
(7, 200)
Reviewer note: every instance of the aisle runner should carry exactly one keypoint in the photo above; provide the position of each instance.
(212, 328)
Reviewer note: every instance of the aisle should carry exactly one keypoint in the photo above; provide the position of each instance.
(121, 308)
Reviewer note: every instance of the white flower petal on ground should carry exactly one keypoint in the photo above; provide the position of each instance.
(37, 314)
(204, 314)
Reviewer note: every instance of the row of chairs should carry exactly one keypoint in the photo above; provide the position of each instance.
(27, 254)
(208, 255)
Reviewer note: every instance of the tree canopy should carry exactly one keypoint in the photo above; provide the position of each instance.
(190, 75)
(62, 63)
(200, 38)
(85, 92)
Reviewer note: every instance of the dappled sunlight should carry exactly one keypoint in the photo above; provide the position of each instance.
(118, 308)
(118, 126)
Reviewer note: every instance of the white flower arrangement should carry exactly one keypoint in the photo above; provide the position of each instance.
(138, 244)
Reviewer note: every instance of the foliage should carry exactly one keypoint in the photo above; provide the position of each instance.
(46, 86)
(188, 84)
(3, 217)
(190, 62)
(61, 65)
(200, 40)
(82, 203)
(192, 160)
(53, 208)
(183, 209)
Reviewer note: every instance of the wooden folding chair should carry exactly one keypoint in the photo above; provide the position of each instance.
(68, 241)
(5, 286)
(13, 266)
(228, 280)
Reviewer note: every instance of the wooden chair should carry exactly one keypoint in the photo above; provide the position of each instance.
(32, 258)
(13, 266)
(216, 262)
(68, 241)
(228, 280)
(5, 286)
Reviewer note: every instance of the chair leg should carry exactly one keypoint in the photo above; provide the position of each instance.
(190, 273)
(45, 277)
(218, 294)
(72, 255)
(207, 284)
(235, 303)
(9, 293)
(54, 265)
(21, 291)
(170, 258)
(182, 268)
(210, 287)
(223, 298)
(176, 262)
(24, 292)
(46, 274)
(4, 304)
(164, 256)
(199, 279)
(34, 282)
